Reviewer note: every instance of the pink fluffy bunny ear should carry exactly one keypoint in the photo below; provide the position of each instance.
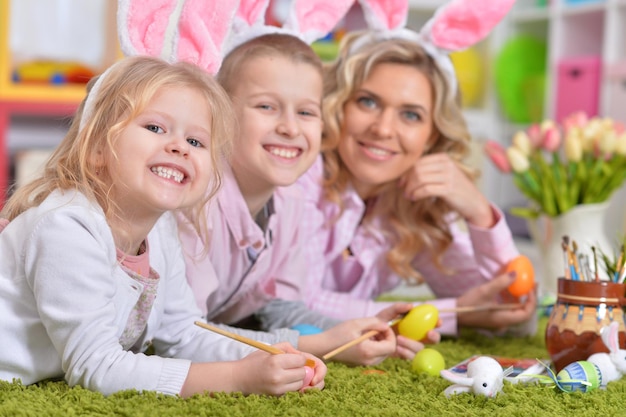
(462, 23)
(455, 26)
(176, 30)
(313, 20)
(307, 20)
(385, 14)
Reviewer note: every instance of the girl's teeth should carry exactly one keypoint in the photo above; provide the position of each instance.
(284, 153)
(168, 173)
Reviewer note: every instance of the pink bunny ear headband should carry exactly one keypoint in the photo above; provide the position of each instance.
(454, 27)
(175, 30)
(204, 31)
(308, 20)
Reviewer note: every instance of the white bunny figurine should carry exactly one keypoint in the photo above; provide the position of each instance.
(612, 365)
(484, 377)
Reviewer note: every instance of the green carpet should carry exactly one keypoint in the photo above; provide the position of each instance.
(349, 392)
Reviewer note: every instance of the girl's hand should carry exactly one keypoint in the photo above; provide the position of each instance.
(319, 370)
(438, 175)
(263, 373)
(371, 351)
(406, 348)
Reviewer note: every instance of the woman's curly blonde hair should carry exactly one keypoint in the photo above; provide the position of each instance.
(412, 227)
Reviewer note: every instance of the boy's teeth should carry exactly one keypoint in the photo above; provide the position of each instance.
(168, 173)
(284, 153)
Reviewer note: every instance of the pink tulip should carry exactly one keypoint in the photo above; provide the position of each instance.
(497, 154)
(578, 119)
(534, 135)
(619, 128)
(551, 139)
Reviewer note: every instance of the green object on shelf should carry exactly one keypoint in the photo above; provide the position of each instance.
(520, 77)
(327, 51)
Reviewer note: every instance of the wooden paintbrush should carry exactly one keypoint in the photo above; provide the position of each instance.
(250, 342)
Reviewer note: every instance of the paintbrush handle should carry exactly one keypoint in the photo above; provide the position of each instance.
(250, 342)
(470, 309)
(351, 343)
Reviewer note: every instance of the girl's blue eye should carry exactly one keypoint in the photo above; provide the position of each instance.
(154, 128)
(194, 142)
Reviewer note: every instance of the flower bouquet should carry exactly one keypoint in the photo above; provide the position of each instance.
(582, 161)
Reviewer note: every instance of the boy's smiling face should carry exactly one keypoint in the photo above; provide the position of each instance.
(278, 106)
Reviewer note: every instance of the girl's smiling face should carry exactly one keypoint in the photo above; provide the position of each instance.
(162, 158)
(388, 123)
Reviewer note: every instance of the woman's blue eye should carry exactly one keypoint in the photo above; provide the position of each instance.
(194, 142)
(413, 116)
(366, 102)
(154, 128)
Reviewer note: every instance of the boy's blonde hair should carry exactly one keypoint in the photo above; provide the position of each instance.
(275, 44)
(123, 93)
(411, 226)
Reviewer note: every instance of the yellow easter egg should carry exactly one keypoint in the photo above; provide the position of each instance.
(416, 324)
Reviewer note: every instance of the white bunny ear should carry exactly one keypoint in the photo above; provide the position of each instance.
(462, 23)
(456, 378)
(385, 14)
(176, 30)
(312, 20)
(610, 336)
(456, 389)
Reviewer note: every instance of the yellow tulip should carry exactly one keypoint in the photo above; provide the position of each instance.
(522, 142)
(620, 144)
(607, 143)
(573, 146)
(519, 162)
(547, 124)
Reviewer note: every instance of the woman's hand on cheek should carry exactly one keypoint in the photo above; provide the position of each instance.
(438, 175)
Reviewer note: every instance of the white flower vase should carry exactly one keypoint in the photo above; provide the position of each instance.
(584, 224)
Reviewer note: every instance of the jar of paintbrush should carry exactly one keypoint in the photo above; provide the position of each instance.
(585, 304)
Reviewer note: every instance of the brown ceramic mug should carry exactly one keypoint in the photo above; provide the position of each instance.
(582, 309)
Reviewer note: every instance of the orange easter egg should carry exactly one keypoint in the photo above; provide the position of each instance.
(525, 275)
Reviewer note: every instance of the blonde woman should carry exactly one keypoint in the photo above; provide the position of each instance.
(390, 199)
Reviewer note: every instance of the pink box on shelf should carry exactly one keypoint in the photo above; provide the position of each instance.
(578, 86)
(616, 76)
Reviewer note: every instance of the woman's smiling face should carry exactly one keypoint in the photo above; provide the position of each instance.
(387, 124)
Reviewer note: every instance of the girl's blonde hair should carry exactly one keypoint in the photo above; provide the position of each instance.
(124, 92)
(411, 226)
